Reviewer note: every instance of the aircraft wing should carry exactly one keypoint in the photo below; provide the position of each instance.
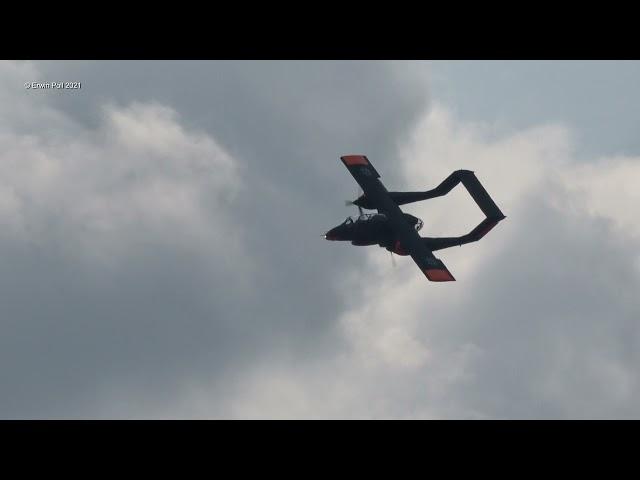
(368, 179)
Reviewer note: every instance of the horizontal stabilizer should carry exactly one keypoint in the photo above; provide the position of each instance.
(480, 195)
(486, 204)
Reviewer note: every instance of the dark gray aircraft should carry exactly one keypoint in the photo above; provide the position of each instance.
(397, 231)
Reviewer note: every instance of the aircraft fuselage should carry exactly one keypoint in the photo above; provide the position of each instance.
(371, 229)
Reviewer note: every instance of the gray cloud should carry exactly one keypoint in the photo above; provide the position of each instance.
(163, 224)
(558, 331)
(160, 232)
(542, 320)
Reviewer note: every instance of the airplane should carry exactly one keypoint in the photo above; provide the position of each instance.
(397, 231)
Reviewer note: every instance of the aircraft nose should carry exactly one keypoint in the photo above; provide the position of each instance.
(331, 235)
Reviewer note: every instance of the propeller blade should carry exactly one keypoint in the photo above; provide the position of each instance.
(348, 203)
(393, 260)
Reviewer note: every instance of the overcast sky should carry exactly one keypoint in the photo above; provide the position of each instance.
(162, 257)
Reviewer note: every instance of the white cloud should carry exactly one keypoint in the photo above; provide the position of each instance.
(541, 322)
(118, 240)
(139, 175)
(607, 188)
(419, 349)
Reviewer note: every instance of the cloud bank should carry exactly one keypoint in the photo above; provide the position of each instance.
(162, 255)
(542, 322)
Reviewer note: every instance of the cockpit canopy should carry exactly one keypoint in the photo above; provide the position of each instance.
(365, 217)
(362, 218)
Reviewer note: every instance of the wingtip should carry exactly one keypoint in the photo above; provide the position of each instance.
(355, 160)
(439, 275)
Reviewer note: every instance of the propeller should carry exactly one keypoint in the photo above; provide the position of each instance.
(393, 260)
(350, 202)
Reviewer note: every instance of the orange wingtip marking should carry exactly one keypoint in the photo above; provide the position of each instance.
(436, 275)
(355, 160)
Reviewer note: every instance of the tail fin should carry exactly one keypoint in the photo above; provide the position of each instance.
(482, 199)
